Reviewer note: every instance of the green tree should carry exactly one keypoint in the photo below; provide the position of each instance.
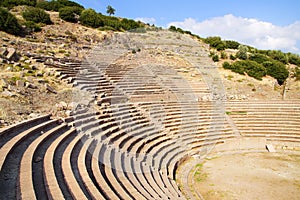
(9, 23)
(110, 10)
(232, 44)
(277, 70)
(215, 42)
(252, 68)
(242, 52)
(90, 18)
(11, 3)
(55, 5)
(294, 59)
(70, 13)
(36, 15)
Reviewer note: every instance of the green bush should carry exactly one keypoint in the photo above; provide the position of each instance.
(231, 44)
(252, 68)
(11, 3)
(215, 42)
(215, 58)
(129, 24)
(223, 55)
(9, 23)
(70, 14)
(226, 65)
(36, 15)
(90, 18)
(55, 5)
(32, 27)
(232, 57)
(294, 59)
(277, 70)
(278, 55)
(242, 53)
(259, 58)
(297, 73)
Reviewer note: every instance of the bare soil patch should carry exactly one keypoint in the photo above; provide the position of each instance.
(249, 176)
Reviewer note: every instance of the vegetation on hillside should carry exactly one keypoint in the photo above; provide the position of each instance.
(36, 15)
(11, 3)
(248, 60)
(9, 23)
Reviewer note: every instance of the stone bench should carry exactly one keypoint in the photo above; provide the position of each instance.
(26, 179)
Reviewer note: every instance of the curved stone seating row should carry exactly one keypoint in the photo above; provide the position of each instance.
(116, 117)
(276, 120)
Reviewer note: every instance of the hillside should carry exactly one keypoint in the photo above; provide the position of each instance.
(23, 82)
(105, 113)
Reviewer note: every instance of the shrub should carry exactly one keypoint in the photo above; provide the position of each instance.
(231, 44)
(172, 28)
(277, 70)
(129, 24)
(215, 42)
(11, 3)
(279, 56)
(226, 65)
(232, 57)
(242, 53)
(32, 27)
(252, 68)
(294, 59)
(215, 58)
(55, 5)
(70, 14)
(9, 23)
(36, 15)
(297, 73)
(223, 55)
(90, 18)
(259, 58)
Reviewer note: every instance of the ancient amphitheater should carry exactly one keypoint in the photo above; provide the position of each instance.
(136, 118)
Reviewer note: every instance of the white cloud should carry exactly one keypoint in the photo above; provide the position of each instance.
(260, 34)
(149, 20)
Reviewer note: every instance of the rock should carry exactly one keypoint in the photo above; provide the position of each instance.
(11, 55)
(3, 52)
(9, 69)
(27, 61)
(49, 88)
(17, 64)
(7, 94)
(3, 83)
(41, 81)
(20, 83)
(34, 115)
(73, 106)
(39, 74)
(33, 67)
(49, 61)
(22, 59)
(11, 88)
(64, 105)
(5, 39)
(68, 113)
(30, 85)
(29, 79)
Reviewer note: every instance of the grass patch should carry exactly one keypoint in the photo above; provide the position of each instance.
(236, 112)
(229, 77)
(199, 176)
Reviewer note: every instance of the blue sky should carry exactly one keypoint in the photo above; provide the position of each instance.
(265, 24)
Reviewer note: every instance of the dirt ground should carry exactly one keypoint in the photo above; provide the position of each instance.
(249, 176)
